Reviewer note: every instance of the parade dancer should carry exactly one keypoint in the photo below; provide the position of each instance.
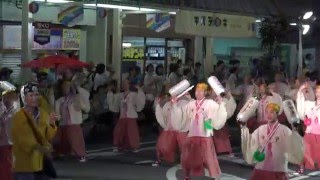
(9, 104)
(222, 137)
(265, 97)
(174, 129)
(244, 91)
(69, 110)
(126, 132)
(203, 115)
(309, 111)
(271, 146)
(278, 86)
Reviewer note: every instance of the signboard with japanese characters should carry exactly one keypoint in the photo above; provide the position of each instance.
(42, 32)
(133, 53)
(71, 39)
(214, 24)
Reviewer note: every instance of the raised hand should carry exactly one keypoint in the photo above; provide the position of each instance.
(53, 118)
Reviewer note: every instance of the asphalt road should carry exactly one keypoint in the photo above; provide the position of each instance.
(103, 164)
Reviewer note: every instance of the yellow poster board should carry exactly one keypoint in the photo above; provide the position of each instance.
(71, 39)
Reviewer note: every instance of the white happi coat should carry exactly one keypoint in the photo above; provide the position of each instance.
(208, 110)
(287, 146)
(311, 110)
(280, 88)
(134, 101)
(171, 119)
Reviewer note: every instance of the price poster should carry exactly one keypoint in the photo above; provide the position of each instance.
(71, 39)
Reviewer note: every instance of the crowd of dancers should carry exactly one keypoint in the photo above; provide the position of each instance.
(193, 125)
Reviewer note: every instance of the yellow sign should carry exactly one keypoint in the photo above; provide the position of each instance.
(133, 53)
(71, 39)
(214, 24)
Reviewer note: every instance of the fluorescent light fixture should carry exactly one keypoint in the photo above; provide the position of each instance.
(126, 44)
(54, 1)
(111, 6)
(293, 24)
(307, 15)
(258, 20)
(147, 10)
(306, 28)
(173, 13)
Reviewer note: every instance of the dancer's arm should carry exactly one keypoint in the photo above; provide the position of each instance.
(294, 146)
(249, 144)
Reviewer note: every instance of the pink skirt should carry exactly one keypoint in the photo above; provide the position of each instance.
(167, 146)
(126, 134)
(168, 143)
(6, 163)
(222, 140)
(259, 174)
(199, 153)
(70, 141)
(181, 138)
(312, 151)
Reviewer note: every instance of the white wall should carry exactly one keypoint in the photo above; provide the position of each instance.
(10, 12)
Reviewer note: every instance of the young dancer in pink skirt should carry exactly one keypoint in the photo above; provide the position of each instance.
(203, 115)
(126, 133)
(309, 111)
(174, 131)
(271, 146)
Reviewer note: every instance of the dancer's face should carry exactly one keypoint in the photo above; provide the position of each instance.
(200, 93)
(271, 114)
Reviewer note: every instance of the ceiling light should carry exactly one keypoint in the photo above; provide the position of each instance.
(126, 44)
(111, 6)
(148, 10)
(306, 29)
(54, 1)
(293, 24)
(258, 20)
(173, 13)
(307, 15)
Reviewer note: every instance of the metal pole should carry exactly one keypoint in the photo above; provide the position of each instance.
(300, 61)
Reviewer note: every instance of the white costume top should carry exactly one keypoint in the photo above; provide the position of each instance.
(286, 145)
(244, 89)
(308, 108)
(75, 115)
(207, 109)
(129, 103)
(280, 88)
(171, 119)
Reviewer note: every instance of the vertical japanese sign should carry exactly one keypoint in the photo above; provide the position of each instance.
(71, 39)
(42, 32)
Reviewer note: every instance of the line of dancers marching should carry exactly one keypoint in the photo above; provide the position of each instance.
(196, 127)
(269, 128)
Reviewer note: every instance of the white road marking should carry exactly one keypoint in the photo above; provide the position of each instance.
(93, 155)
(111, 148)
(171, 174)
(316, 173)
(146, 148)
(145, 162)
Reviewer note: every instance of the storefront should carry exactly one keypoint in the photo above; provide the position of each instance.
(60, 40)
(142, 51)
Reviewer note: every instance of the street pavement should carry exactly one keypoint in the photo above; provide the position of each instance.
(104, 164)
